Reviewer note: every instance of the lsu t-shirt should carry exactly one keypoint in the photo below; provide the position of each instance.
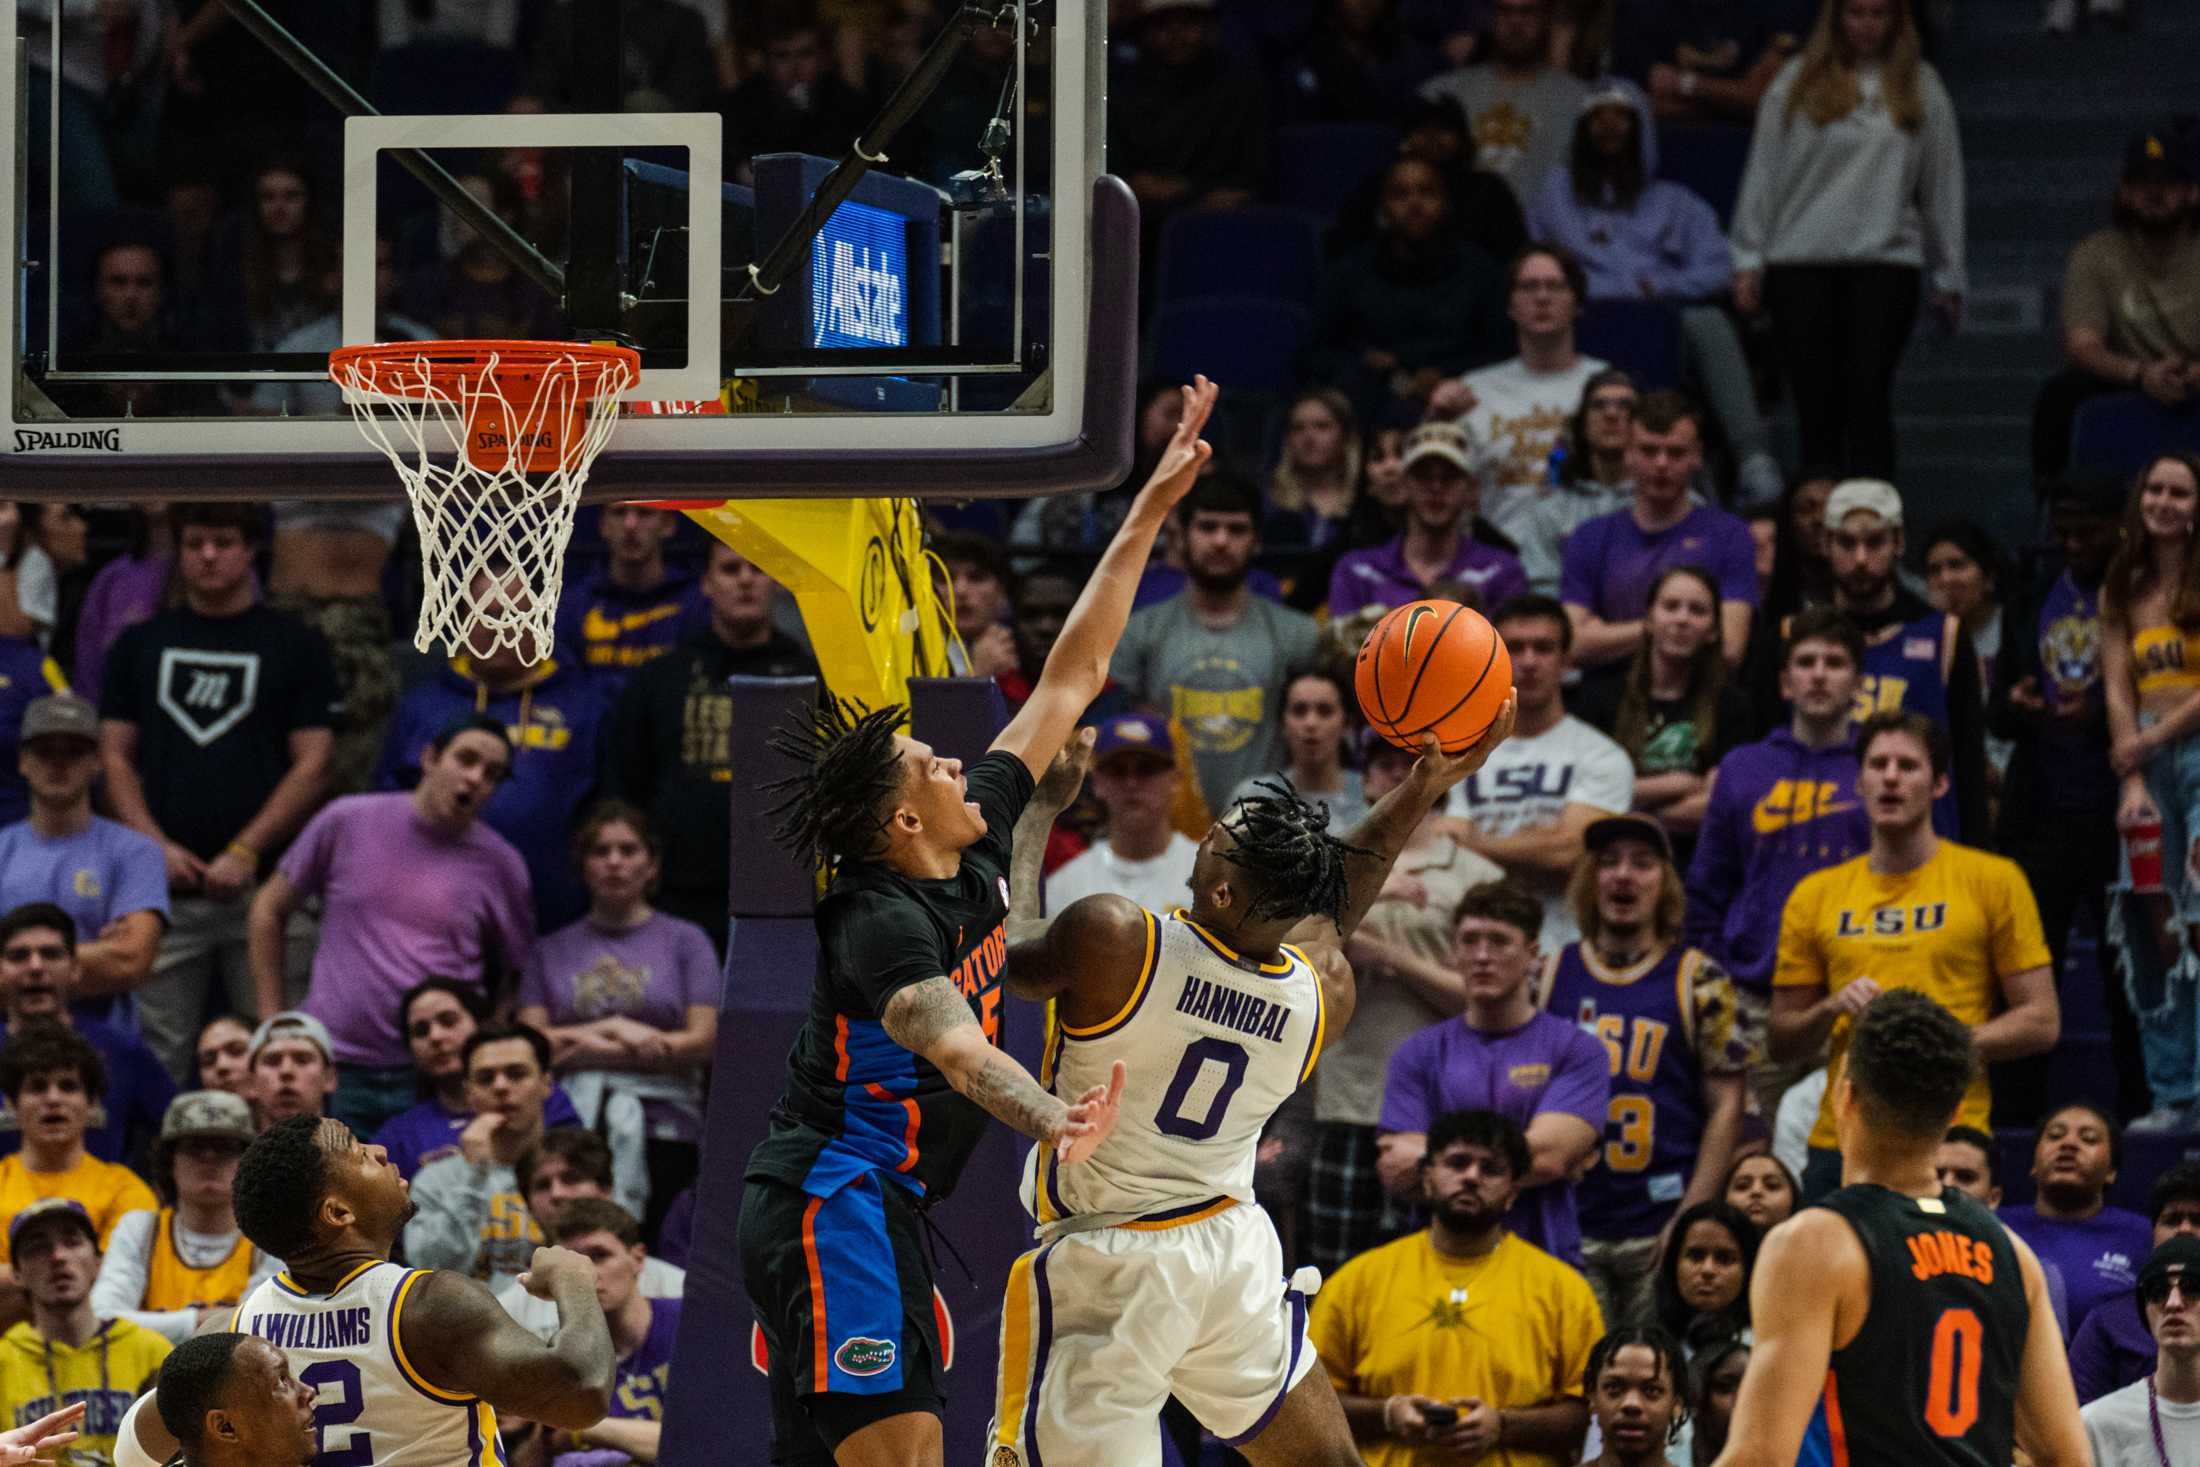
(1952, 929)
(1531, 779)
(107, 1190)
(1513, 1327)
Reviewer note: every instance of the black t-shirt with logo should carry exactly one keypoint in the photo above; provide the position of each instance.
(215, 700)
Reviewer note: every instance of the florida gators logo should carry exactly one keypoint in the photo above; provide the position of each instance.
(860, 1355)
(760, 1358)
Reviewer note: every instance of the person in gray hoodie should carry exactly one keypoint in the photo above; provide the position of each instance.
(1641, 237)
(1852, 194)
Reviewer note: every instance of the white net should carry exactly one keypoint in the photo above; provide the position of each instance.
(494, 463)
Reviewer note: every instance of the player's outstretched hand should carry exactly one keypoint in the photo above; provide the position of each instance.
(1058, 787)
(43, 1439)
(553, 1266)
(1445, 770)
(1091, 1119)
(1187, 452)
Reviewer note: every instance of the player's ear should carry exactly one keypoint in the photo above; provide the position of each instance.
(221, 1426)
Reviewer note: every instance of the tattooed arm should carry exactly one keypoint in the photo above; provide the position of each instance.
(933, 1019)
(1057, 790)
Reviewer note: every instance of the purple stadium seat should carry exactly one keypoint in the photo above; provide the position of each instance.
(2117, 434)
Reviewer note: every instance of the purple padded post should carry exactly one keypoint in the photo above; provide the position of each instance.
(770, 961)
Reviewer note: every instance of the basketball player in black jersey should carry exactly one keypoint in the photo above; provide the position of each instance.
(1897, 1323)
(895, 1071)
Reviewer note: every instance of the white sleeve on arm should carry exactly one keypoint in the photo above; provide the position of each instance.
(124, 1271)
(127, 1451)
(452, 1195)
(1607, 777)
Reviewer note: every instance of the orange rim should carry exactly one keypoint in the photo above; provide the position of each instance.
(452, 365)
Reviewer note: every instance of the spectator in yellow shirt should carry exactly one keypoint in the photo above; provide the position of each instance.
(1461, 1342)
(1915, 911)
(65, 1354)
(54, 1079)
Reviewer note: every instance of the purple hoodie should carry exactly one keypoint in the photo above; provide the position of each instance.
(1669, 236)
(2111, 1350)
(1778, 812)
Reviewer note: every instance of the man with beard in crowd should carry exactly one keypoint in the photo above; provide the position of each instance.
(1212, 658)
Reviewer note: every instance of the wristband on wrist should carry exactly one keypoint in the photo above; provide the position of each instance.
(1388, 1428)
(243, 853)
(1688, 83)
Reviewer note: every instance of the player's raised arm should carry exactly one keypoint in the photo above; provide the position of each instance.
(460, 1338)
(1805, 1266)
(1077, 668)
(1377, 841)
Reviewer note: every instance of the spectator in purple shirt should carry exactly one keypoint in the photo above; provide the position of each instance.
(629, 998)
(2112, 1349)
(1505, 1054)
(412, 885)
(2098, 1247)
(110, 879)
(438, 1016)
(1445, 546)
(127, 590)
(1611, 562)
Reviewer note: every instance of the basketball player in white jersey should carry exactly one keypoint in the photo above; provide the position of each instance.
(409, 1366)
(1156, 1273)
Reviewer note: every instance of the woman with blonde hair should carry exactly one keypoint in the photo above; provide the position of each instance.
(1314, 484)
(2150, 675)
(1853, 190)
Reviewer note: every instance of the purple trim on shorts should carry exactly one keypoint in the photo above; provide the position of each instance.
(1175, 1212)
(1297, 1302)
(1039, 1358)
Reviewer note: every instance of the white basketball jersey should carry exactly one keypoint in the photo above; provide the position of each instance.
(1213, 1044)
(373, 1409)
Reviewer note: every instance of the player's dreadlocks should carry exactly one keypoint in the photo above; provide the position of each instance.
(1298, 865)
(850, 769)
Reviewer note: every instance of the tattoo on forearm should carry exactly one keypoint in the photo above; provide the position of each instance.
(1011, 1096)
(916, 1017)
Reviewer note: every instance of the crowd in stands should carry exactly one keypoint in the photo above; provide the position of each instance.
(1780, 748)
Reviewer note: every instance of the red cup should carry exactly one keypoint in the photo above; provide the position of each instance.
(2143, 850)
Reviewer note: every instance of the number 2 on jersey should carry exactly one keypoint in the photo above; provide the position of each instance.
(1170, 1120)
(1951, 1394)
(338, 1402)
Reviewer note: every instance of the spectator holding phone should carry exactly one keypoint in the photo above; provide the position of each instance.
(1461, 1336)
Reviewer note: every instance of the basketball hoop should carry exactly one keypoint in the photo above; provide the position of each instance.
(493, 440)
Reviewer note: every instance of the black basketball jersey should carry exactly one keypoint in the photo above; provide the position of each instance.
(1931, 1378)
(856, 1102)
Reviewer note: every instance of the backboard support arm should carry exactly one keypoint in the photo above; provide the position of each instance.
(316, 73)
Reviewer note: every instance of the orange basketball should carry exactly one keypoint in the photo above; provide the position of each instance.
(1433, 666)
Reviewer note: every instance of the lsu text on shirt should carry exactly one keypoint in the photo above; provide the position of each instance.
(1952, 929)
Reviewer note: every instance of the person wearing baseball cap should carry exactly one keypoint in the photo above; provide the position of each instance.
(2130, 319)
(1916, 659)
(110, 879)
(66, 1351)
(1444, 542)
(170, 1269)
(1680, 1051)
(292, 1063)
(2155, 1422)
(1139, 854)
